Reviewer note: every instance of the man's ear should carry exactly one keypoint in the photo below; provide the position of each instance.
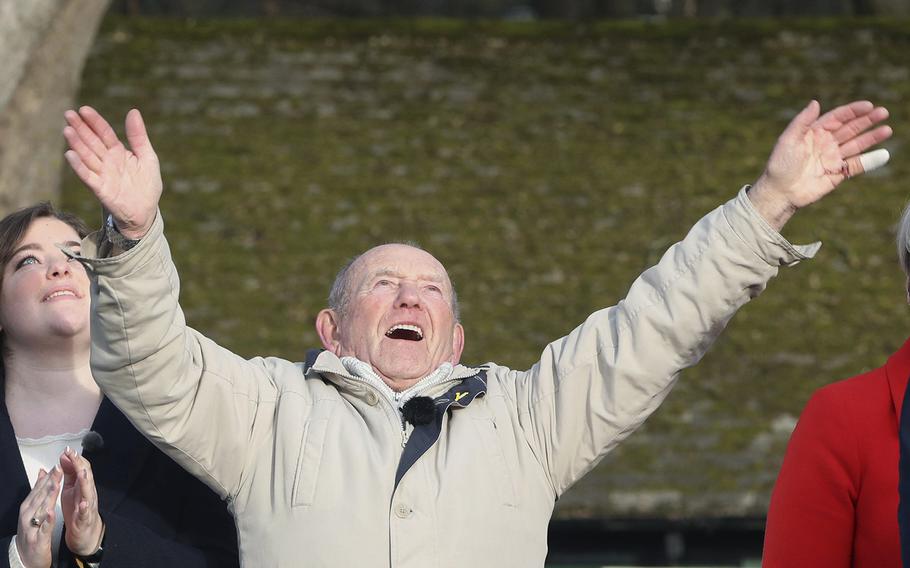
(457, 343)
(327, 328)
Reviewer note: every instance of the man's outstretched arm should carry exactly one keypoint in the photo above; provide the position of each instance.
(595, 386)
(172, 382)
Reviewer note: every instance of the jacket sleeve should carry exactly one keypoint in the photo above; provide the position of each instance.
(201, 404)
(594, 387)
(811, 517)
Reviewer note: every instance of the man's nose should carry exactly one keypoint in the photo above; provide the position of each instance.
(408, 295)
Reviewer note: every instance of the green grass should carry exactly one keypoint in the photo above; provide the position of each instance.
(547, 165)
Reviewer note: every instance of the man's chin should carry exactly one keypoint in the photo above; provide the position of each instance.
(403, 371)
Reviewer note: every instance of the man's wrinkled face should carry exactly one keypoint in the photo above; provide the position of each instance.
(398, 317)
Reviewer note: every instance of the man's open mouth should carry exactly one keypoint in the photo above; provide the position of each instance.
(405, 331)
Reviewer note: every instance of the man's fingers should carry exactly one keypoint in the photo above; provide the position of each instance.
(99, 126)
(88, 136)
(138, 136)
(866, 140)
(833, 119)
(87, 176)
(860, 124)
(88, 157)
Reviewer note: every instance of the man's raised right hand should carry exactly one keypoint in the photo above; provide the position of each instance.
(127, 181)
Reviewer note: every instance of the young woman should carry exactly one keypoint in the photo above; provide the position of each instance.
(80, 486)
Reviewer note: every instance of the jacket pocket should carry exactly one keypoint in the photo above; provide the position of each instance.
(501, 477)
(307, 475)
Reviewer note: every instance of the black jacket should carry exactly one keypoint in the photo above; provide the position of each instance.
(155, 513)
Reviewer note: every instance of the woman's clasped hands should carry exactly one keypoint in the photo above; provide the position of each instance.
(73, 481)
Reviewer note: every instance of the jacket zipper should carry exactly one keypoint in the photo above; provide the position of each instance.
(404, 424)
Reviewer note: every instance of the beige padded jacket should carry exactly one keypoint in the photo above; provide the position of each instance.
(310, 458)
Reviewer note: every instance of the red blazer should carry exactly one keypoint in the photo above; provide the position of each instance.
(835, 500)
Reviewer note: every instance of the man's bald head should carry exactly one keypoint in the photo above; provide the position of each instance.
(340, 293)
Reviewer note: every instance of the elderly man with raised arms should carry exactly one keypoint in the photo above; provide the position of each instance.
(382, 449)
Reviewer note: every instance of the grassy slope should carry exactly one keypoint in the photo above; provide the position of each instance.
(546, 165)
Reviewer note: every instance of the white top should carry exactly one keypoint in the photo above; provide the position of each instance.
(44, 453)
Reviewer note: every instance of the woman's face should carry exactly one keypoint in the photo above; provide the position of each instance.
(44, 294)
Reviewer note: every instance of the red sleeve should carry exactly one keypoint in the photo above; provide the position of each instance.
(810, 521)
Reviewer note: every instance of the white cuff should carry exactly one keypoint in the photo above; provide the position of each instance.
(14, 560)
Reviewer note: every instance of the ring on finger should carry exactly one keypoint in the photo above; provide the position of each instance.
(35, 522)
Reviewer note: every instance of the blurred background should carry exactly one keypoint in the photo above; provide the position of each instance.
(547, 152)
